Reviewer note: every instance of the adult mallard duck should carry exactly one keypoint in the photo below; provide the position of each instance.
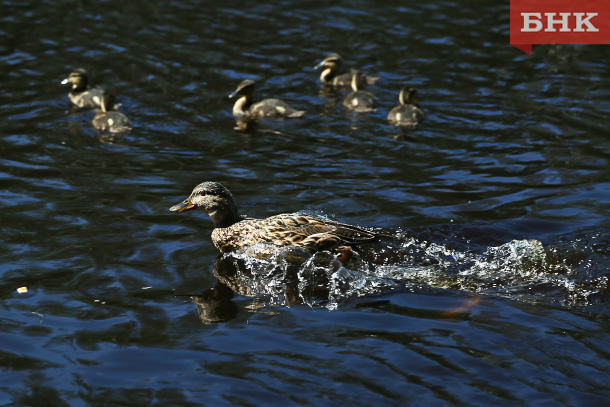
(333, 74)
(267, 108)
(408, 114)
(81, 94)
(360, 100)
(108, 118)
(233, 231)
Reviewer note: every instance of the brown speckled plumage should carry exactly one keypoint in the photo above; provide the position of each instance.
(235, 232)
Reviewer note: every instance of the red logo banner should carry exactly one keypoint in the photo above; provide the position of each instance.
(559, 22)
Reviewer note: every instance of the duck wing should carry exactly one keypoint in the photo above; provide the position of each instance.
(312, 233)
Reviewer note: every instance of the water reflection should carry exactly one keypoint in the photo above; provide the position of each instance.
(245, 125)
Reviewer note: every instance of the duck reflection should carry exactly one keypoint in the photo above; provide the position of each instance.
(245, 125)
(215, 304)
(294, 277)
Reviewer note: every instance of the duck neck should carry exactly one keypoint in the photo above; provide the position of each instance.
(327, 75)
(241, 106)
(408, 98)
(225, 215)
(222, 220)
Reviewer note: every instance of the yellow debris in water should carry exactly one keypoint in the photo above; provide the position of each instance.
(22, 290)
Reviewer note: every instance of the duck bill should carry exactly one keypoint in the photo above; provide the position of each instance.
(320, 65)
(185, 205)
(235, 93)
(65, 81)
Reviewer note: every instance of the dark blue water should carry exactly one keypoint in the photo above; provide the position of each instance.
(491, 286)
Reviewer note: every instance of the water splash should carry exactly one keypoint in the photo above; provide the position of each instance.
(523, 270)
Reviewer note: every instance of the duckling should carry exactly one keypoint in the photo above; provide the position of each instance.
(331, 75)
(108, 118)
(267, 108)
(233, 231)
(360, 100)
(81, 94)
(408, 114)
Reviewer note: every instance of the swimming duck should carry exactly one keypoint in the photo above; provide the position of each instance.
(267, 108)
(233, 231)
(81, 94)
(408, 114)
(331, 75)
(108, 118)
(360, 100)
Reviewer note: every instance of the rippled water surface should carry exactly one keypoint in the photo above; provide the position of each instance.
(489, 287)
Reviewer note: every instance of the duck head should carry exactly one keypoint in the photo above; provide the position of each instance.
(243, 93)
(78, 79)
(215, 200)
(245, 88)
(332, 62)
